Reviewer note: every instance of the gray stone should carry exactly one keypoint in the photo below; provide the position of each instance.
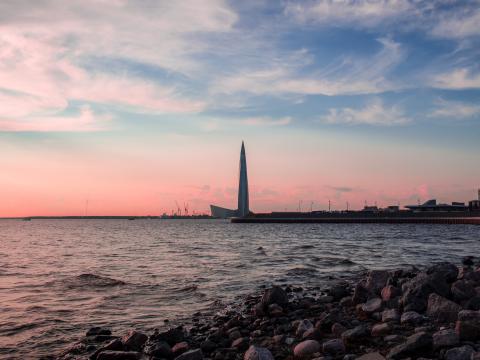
(445, 338)
(442, 310)
(306, 348)
(333, 347)
(459, 353)
(258, 353)
(411, 318)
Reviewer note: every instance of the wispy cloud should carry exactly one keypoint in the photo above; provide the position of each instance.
(374, 113)
(455, 110)
(461, 78)
(267, 121)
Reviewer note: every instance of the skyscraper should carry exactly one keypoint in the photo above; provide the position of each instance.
(243, 204)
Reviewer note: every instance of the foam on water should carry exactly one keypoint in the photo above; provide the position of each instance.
(58, 278)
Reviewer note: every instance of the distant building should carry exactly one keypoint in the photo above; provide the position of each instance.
(243, 203)
(431, 205)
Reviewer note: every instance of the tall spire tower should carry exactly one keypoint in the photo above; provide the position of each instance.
(243, 208)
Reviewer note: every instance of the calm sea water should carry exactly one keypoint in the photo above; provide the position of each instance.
(60, 277)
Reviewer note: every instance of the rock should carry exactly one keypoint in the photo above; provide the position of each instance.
(459, 353)
(274, 295)
(241, 344)
(171, 336)
(258, 353)
(468, 325)
(338, 329)
(473, 303)
(417, 290)
(234, 334)
(411, 318)
(134, 340)
(463, 290)
(381, 329)
(442, 310)
(118, 355)
(376, 281)
(303, 326)
(306, 348)
(390, 315)
(394, 338)
(275, 310)
(360, 294)
(355, 335)
(445, 270)
(159, 349)
(312, 334)
(208, 346)
(445, 338)
(333, 347)
(389, 292)
(191, 355)
(372, 305)
(97, 330)
(468, 260)
(179, 348)
(371, 356)
(414, 345)
(116, 345)
(338, 291)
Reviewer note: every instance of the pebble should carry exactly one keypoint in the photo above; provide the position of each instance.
(306, 348)
(258, 353)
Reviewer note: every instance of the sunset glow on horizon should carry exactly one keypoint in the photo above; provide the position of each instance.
(128, 108)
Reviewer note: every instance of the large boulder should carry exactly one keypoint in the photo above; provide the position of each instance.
(171, 336)
(376, 281)
(274, 295)
(417, 290)
(134, 340)
(442, 310)
(360, 293)
(447, 271)
(414, 345)
(258, 353)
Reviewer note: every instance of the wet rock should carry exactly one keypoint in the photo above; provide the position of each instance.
(445, 338)
(376, 281)
(333, 347)
(116, 345)
(240, 344)
(442, 310)
(171, 336)
(381, 329)
(97, 330)
(389, 292)
(463, 290)
(390, 315)
(445, 270)
(134, 340)
(306, 348)
(159, 349)
(371, 356)
(303, 326)
(411, 318)
(360, 294)
(372, 305)
(274, 295)
(468, 325)
(191, 355)
(355, 335)
(179, 348)
(258, 353)
(338, 291)
(417, 290)
(414, 345)
(118, 355)
(459, 353)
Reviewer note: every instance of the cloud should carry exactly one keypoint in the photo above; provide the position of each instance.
(455, 110)
(460, 24)
(86, 120)
(346, 77)
(267, 121)
(374, 113)
(341, 189)
(461, 78)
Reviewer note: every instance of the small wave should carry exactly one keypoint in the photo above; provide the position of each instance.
(305, 247)
(87, 280)
(188, 289)
(300, 271)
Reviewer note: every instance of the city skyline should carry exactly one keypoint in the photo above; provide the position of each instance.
(131, 106)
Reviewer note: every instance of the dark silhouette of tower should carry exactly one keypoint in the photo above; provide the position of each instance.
(243, 208)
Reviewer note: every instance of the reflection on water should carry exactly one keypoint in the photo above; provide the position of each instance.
(60, 277)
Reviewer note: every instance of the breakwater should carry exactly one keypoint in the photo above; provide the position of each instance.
(431, 313)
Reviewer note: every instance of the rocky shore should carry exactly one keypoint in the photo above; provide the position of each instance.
(409, 313)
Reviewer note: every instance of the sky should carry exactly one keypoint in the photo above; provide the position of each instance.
(130, 107)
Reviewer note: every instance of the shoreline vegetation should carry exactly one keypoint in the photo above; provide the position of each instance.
(408, 313)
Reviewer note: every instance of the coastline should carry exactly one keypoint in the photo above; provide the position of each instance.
(405, 313)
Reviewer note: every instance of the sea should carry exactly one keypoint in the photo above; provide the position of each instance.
(58, 278)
